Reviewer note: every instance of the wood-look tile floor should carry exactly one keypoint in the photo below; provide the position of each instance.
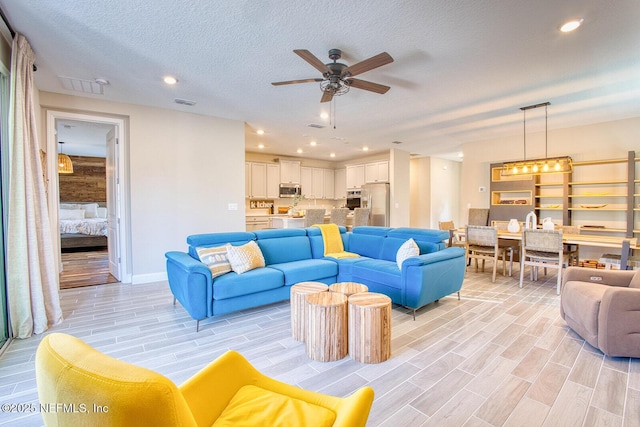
(501, 356)
(85, 268)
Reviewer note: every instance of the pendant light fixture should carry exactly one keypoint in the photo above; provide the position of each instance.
(64, 162)
(537, 166)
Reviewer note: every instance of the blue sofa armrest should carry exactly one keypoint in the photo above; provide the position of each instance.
(191, 284)
(429, 277)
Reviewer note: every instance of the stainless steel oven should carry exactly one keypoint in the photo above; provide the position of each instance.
(354, 199)
(290, 190)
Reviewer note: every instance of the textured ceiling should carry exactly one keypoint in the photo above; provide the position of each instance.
(462, 68)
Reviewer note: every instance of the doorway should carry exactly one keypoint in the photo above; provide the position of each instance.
(108, 237)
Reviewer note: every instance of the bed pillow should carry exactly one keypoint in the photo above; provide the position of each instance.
(72, 214)
(102, 212)
(70, 206)
(216, 259)
(90, 210)
(407, 250)
(246, 257)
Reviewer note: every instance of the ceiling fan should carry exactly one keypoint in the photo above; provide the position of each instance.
(337, 78)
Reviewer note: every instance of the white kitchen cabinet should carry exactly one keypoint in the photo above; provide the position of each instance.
(340, 184)
(290, 172)
(355, 176)
(306, 182)
(328, 182)
(318, 183)
(258, 222)
(258, 180)
(273, 181)
(376, 172)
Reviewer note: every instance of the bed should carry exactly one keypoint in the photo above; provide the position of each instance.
(83, 226)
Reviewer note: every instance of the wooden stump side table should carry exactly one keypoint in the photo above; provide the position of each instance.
(348, 288)
(298, 301)
(369, 327)
(326, 337)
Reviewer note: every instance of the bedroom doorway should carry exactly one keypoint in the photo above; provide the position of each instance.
(95, 251)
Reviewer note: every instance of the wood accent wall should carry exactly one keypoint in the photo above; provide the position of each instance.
(87, 183)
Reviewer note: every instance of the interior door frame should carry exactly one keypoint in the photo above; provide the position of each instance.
(121, 124)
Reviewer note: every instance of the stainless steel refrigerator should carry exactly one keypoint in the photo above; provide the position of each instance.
(376, 197)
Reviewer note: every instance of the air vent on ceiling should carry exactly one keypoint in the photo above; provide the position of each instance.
(396, 142)
(184, 101)
(82, 85)
(315, 125)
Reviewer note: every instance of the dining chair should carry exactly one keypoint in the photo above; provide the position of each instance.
(361, 217)
(339, 216)
(482, 244)
(571, 250)
(454, 238)
(313, 216)
(542, 248)
(478, 216)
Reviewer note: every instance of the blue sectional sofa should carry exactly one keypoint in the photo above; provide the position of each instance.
(297, 255)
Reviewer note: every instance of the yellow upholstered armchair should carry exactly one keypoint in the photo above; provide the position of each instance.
(103, 391)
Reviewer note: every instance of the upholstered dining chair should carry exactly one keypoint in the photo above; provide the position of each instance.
(542, 248)
(228, 391)
(313, 216)
(478, 216)
(361, 216)
(482, 244)
(339, 216)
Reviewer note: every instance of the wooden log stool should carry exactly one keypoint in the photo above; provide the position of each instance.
(298, 301)
(369, 327)
(348, 288)
(326, 337)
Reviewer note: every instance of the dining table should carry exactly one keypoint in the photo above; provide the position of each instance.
(626, 244)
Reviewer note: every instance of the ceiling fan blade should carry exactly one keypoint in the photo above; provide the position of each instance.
(363, 84)
(313, 60)
(291, 82)
(368, 64)
(326, 96)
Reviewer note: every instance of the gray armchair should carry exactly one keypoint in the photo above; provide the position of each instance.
(603, 307)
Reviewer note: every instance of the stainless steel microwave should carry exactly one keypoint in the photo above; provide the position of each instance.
(290, 190)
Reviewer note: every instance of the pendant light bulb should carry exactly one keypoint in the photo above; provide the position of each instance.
(545, 168)
(535, 167)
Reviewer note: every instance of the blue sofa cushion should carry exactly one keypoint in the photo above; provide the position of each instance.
(306, 270)
(232, 284)
(283, 245)
(428, 240)
(217, 239)
(390, 248)
(379, 271)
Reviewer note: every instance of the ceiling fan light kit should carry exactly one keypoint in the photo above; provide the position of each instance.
(337, 78)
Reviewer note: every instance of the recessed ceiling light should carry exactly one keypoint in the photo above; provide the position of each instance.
(460, 154)
(365, 148)
(324, 115)
(332, 155)
(261, 146)
(571, 25)
(313, 143)
(260, 132)
(170, 80)
(299, 150)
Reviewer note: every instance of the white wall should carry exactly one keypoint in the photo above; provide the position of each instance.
(435, 191)
(184, 170)
(399, 177)
(420, 192)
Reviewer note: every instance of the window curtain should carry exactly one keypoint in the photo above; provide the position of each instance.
(32, 277)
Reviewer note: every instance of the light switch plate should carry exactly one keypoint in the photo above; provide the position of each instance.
(232, 207)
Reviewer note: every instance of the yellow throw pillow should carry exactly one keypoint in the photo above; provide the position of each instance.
(246, 257)
(407, 250)
(216, 259)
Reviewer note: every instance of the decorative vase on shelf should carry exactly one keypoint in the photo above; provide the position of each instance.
(547, 224)
(513, 226)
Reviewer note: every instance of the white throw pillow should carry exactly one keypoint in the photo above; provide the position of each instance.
(71, 214)
(246, 257)
(407, 250)
(102, 212)
(90, 210)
